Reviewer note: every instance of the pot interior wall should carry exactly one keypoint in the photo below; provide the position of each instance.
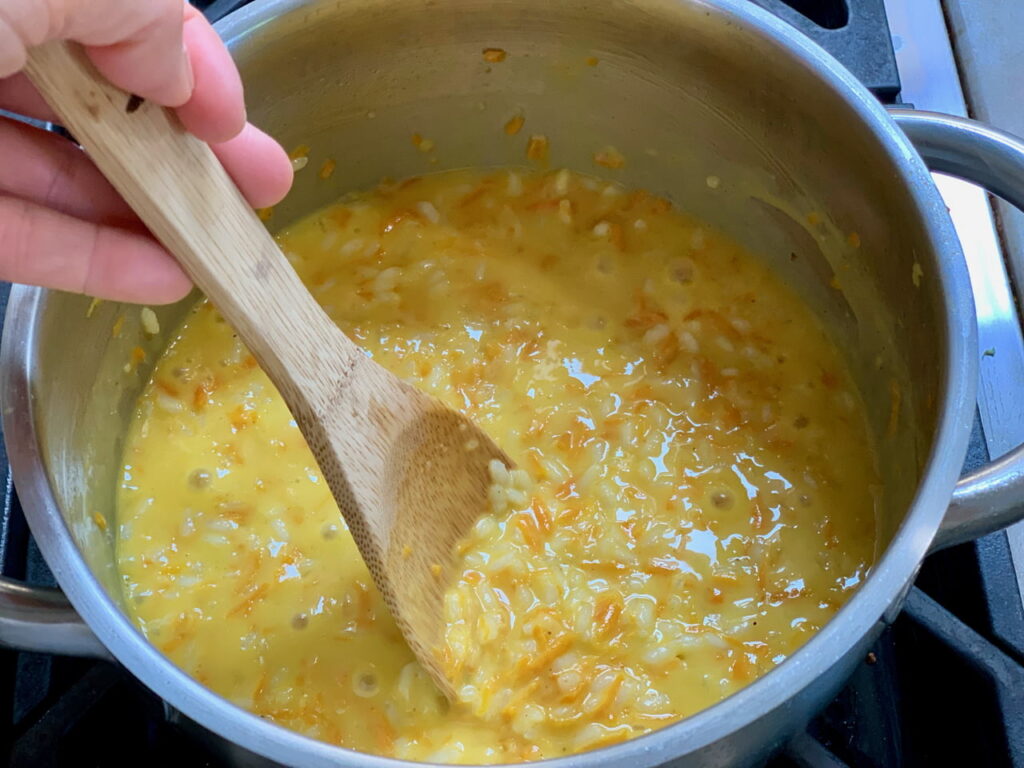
(682, 90)
(85, 383)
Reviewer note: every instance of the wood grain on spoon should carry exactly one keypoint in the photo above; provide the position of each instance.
(409, 474)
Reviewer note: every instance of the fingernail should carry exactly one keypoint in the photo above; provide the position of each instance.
(190, 75)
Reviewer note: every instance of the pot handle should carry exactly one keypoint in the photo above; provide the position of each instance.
(41, 619)
(993, 496)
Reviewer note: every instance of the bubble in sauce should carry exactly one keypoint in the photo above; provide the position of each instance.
(365, 684)
(200, 478)
(681, 270)
(721, 499)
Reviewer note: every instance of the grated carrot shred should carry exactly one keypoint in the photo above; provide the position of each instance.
(242, 417)
(537, 149)
(364, 605)
(515, 125)
(384, 734)
(609, 157)
(557, 647)
(527, 525)
(606, 615)
(201, 394)
(246, 606)
(541, 515)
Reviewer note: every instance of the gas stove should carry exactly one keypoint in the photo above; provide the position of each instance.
(944, 684)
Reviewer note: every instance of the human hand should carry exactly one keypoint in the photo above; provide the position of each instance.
(62, 225)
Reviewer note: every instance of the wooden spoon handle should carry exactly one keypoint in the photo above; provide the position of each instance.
(181, 192)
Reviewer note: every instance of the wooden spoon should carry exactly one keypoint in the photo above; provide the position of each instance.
(409, 474)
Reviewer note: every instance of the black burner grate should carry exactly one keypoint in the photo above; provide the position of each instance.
(827, 14)
(856, 32)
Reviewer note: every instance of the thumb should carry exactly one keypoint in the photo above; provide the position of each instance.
(143, 51)
(136, 44)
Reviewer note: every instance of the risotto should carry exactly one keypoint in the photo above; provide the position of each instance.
(694, 494)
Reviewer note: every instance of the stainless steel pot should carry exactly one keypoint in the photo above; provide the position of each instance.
(687, 90)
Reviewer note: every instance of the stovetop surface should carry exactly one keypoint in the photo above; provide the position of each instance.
(944, 685)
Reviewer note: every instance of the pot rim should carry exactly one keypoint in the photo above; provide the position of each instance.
(885, 586)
